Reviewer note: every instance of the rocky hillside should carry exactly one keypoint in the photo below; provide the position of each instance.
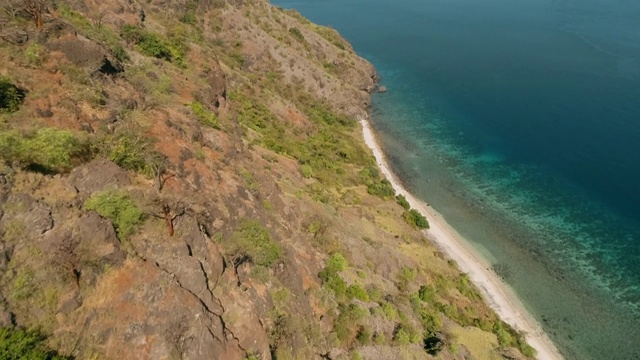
(185, 179)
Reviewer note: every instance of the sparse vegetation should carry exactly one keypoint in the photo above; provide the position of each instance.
(152, 44)
(204, 115)
(18, 343)
(117, 206)
(297, 34)
(253, 242)
(44, 150)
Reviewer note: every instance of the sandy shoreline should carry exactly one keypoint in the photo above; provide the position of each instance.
(494, 291)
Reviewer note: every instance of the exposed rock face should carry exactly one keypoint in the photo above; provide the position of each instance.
(98, 175)
(79, 50)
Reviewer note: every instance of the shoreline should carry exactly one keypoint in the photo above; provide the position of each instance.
(496, 293)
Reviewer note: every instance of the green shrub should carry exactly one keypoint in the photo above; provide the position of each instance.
(117, 206)
(152, 44)
(254, 241)
(34, 54)
(11, 97)
(204, 116)
(131, 151)
(376, 186)
(405, 334)
(426, 293)
(414, 218)
(356, 291)
(389, 311)
(297, 34)
(333, 282)
(337, 262)
(347, 325)
(24, 344)
(404, 278)
(401, 337)
(382, 189)
(307, 171)
(402, 201)
(120, 53)
(364, 335)
(330, 275)
(374, 293)
(45, 150)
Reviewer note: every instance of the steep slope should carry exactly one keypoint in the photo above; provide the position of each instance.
(186, 179)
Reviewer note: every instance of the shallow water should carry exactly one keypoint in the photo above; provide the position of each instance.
(520, 123)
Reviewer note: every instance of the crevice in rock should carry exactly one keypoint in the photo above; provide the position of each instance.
(174, 277)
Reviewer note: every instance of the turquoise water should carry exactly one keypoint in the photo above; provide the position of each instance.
(520, 123)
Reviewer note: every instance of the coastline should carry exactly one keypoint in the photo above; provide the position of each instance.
(499, 297)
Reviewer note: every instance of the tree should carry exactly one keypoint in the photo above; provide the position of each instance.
(35, 9)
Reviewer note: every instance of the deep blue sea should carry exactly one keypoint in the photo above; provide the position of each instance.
(519, 121)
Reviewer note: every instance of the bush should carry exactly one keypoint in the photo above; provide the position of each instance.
(337, 262)
(356, 291)
(46, 150)
(151, 44)
(415, 219)
(376, 186)
(253, 241)
(24, 344)
(117, 206)
(11, 97)
(389, 311)
(330, 275)
(426, 293)
(404, 278)
(402, 201)
(120, 53)
(401, 337)
(204, 116)
(297, 34)
(132, 151)
(307, 171)
(332, 280)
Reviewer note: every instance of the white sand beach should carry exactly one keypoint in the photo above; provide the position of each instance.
(494, 291)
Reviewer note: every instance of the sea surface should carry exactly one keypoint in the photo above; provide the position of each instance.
(519, 121)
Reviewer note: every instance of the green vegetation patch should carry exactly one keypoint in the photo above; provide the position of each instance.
(25, 344)
(117, 206)
(330, 275)
(370, 176)
(253, 240)
(356, 291)
(132, 151)
(152, 44)
(45, 150)
(415, 219)
(204, 115)
(11, 97)
(324, 149)
(402, 201)
(297, 34)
